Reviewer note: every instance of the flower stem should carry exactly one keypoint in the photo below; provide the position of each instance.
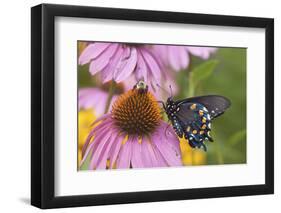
(191, 89)
(110, 95)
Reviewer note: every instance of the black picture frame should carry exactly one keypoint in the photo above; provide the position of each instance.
(43, 102)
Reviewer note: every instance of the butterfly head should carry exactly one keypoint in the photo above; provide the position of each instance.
(171, 108)
(170, 101)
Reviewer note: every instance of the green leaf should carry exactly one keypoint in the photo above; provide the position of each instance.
(203, 71)
(85, 165)
(237, 137)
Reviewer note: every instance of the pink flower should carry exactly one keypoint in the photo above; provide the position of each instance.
(178, 57)
(130, 138)
(117, 61)
(94, 98)
(160, 149)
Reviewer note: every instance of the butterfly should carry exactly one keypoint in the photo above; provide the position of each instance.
(191, 118)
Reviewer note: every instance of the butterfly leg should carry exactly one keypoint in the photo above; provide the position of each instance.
(196, 144)
(191, 143)
(204, 147)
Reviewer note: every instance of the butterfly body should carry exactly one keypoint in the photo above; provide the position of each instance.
(191, 118)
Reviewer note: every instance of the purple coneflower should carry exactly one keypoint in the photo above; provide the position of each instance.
(117, 61)
(178, 57)
(132, 135)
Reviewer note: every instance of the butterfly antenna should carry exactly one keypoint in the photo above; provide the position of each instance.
(162, 88)
(171, 90)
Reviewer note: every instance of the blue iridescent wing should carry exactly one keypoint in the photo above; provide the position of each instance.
(195, 122)
(195, 116)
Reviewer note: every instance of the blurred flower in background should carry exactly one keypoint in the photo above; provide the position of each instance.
(85, 119)
(133, 135)
(96, 99)
(191, 156)
(178, 57)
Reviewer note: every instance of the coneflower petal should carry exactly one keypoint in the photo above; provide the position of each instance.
(108, 72)
(178, 57)
(137, 154)
(148, 156)
(141, 70)
(171, 137)
(87, 152)
(102, 60)
(99, 128)
(153, 66)
(115, 150)
(127, 66)
(125, 155)
(156, 160)
(96, 155)
(171, 156)
(91, 52)
(161, 162)
(104, 155)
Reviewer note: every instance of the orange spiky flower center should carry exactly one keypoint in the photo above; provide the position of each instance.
(136, 112)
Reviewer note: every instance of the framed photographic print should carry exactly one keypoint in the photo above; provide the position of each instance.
(140, 106)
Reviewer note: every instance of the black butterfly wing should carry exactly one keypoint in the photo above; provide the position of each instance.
(215, 104)
(195, 122)
(195, 115)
